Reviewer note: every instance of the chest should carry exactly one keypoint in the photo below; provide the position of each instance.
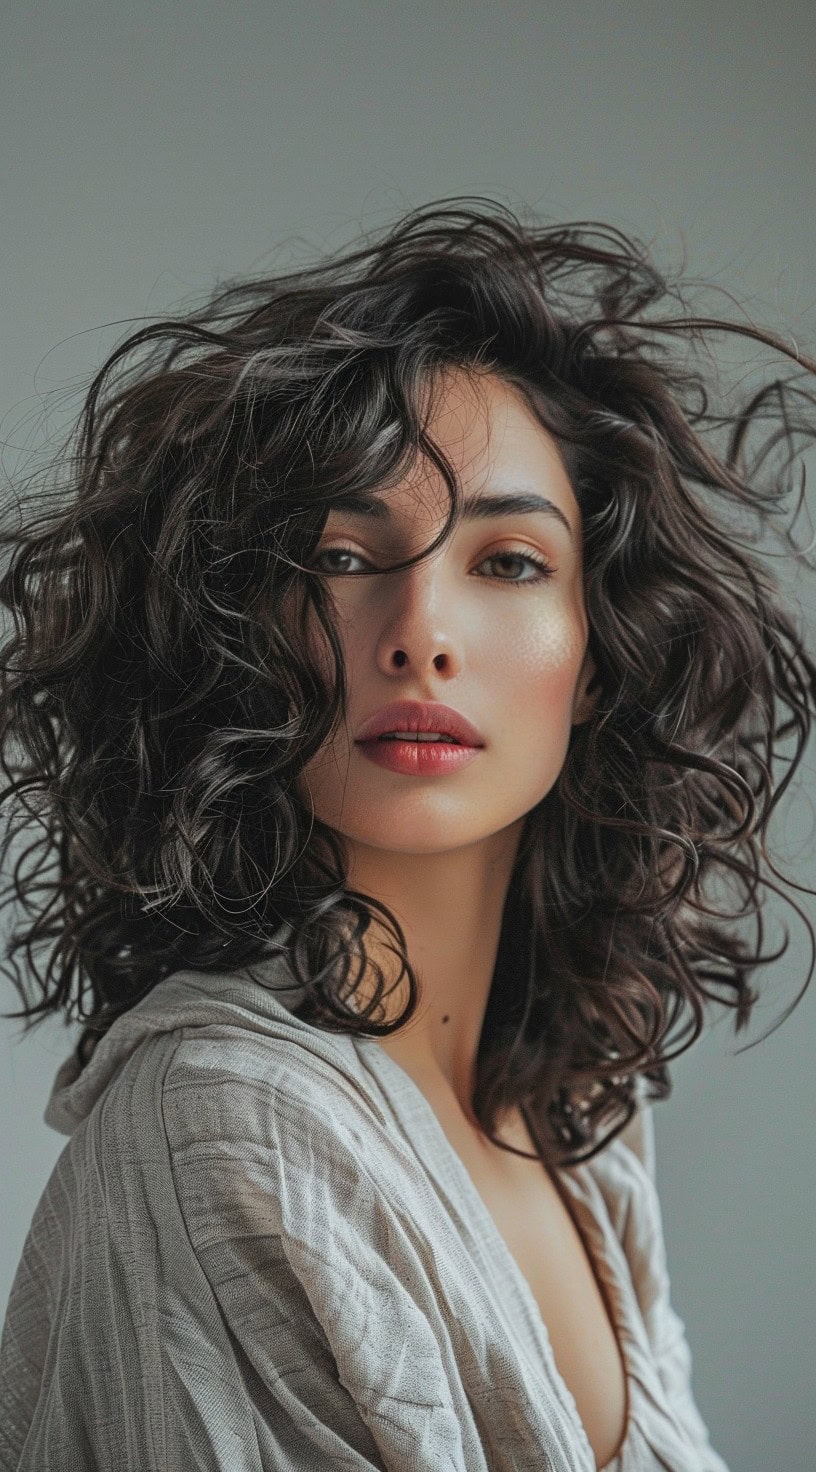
(539, 1231)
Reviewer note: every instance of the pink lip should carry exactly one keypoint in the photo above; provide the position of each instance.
(420, 715)
(418, 758)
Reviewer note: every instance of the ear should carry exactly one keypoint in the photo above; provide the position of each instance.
(585, 700)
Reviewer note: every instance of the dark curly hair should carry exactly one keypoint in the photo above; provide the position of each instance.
(158, 697)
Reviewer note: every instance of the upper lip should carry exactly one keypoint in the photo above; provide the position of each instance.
(420, 715)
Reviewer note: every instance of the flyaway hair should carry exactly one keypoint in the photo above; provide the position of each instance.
(158, 695)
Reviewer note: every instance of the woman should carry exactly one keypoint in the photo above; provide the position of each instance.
(396, 693)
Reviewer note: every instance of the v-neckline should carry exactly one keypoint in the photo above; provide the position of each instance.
(571, 1184)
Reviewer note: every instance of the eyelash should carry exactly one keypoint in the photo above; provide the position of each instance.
(545, 570)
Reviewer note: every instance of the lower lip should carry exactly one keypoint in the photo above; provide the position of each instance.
(419, 758)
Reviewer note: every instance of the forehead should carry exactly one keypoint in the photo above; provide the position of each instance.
(507, 462)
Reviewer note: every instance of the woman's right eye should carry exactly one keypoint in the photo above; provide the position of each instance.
(334, 552)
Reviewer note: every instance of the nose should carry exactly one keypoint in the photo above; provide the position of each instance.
(400, 658)
(418, 630)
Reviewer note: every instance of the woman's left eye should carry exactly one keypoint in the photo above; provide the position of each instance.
(543, 570)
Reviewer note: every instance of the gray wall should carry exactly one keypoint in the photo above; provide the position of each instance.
(149, 150)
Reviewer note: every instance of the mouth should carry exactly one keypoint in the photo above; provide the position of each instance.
(421, 737)
(420, 722)
(411, 755)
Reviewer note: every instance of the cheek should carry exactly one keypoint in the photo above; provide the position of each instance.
(544, 659)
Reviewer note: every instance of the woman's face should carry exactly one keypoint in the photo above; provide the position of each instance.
(475, 626)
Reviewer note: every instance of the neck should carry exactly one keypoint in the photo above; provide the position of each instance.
(450, 906)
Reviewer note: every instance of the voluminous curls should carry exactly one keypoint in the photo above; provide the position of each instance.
(159, 696)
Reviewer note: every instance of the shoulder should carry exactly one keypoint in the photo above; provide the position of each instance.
(624, 1175)
(639, 1137)
(302, 1204)
(233, 1127)
(269, 1090)
(280, 1136)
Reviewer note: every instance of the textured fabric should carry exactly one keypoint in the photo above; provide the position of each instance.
(259, 1251)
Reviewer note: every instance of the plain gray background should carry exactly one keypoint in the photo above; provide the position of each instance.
(150, 150)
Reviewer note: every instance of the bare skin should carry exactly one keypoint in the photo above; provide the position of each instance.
(439, 850)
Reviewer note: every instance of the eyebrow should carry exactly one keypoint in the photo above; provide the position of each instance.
(474, 508)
